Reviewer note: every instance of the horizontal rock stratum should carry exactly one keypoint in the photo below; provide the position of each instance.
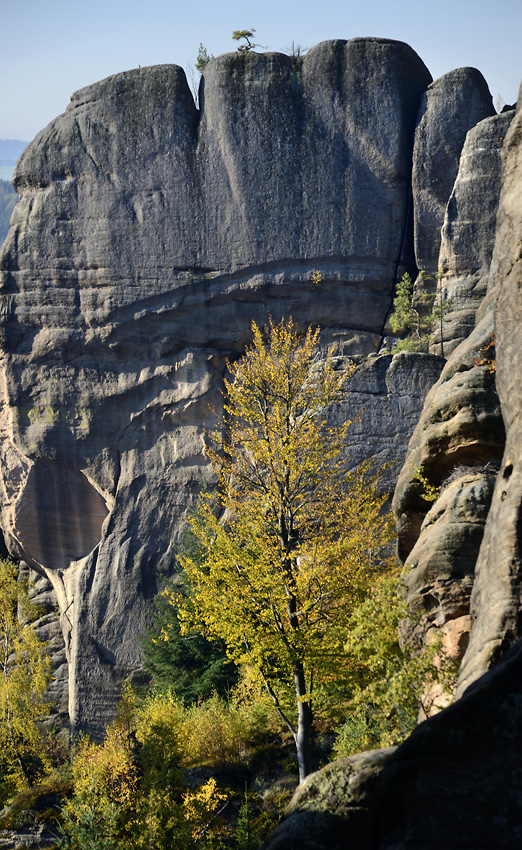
(148, 236)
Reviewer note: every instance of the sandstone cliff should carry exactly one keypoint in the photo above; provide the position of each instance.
(456, 781)
(147, 238)
(149, 235)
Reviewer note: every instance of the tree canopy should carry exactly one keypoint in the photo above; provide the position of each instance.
(294, 537)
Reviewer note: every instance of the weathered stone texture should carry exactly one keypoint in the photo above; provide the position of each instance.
(383, 400)
(496, 601)
(443, 559)
(451, 106)
(460, 432)
(146, 240)
(48, 629)
(468, 234)
(461, 425)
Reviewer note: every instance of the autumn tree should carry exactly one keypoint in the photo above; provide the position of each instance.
(295, 537)
(24, 676)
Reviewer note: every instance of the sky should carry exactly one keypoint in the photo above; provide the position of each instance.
(51, 48)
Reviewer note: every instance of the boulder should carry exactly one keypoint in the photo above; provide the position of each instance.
(330, 803)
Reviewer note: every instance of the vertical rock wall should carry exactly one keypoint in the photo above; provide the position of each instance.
(451, 106)
(459, 440)
(468, 237)
(496, 605)
(147, 238)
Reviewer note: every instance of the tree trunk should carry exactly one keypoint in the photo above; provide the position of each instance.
(304, 726)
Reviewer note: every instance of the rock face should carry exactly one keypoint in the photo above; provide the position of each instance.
(49, 632)
(458, 443)
(496, 607)
(467, 238)
(456, 780)
(147, 238)
(383, 400)
(451, 106)
(456, 449)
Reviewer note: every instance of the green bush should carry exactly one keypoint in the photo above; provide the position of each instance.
(415, 312)
(190, 665)
(390, 684)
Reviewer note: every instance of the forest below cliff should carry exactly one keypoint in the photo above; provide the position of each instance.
(314, 659)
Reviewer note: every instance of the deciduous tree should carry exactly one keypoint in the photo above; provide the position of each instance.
(295, 537)
(24, 675)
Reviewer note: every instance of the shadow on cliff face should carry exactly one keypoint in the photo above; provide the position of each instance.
(59, 515)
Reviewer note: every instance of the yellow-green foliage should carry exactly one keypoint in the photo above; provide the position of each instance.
(217, 732)
(300, 538)
(389, 684)
(24, 677)
(105, 771)
(430, 493)
(129, 791)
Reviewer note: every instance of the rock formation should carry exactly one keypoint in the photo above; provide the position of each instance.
(147, 238)
(456, 781)
(467, 238)
(451, 106)
(495, 605)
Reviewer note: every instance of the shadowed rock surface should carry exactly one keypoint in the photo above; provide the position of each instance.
(496, 601)
(451, 106)
(147, 238)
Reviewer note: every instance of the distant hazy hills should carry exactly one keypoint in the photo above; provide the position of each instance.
(10, 150)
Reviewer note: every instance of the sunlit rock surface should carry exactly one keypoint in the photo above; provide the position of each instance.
(147, 238)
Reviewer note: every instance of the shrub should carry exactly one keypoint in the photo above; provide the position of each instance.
(390, 684)
(414, 313)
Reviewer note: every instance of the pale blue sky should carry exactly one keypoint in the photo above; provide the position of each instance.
(50, 48)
